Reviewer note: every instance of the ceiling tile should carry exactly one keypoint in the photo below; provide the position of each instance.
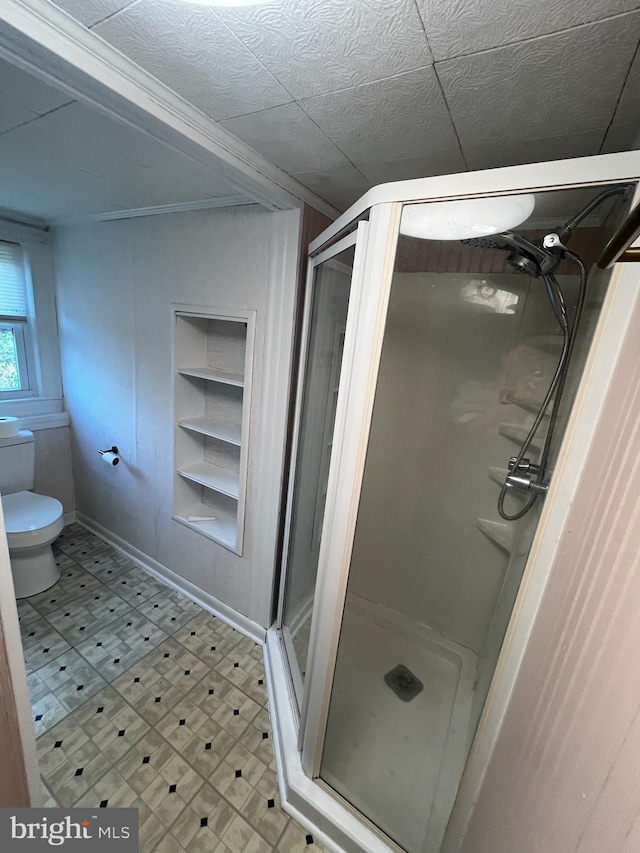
(13, 114)
(62, 150)
(456, 27)
(89, 12)
(396, 118)
(21, 89)
(194, 53)
(340, 186)
(109, 141)
(327, 45)
(534, 150)
(441, 163)
(35, 187)
(629, 105)
(622, 137)
(287, 136)
(551, 86)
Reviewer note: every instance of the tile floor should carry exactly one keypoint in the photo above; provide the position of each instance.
(141, 698)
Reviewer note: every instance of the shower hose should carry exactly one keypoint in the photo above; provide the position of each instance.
(556, 388)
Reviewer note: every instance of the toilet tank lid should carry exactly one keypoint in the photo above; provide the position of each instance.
(29, 511)
(23, 436)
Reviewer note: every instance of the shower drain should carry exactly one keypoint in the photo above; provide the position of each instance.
(403, 683)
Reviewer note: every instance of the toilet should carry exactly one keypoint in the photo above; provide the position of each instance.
(32, 521)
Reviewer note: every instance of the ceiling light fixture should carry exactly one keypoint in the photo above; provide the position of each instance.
(459, 220)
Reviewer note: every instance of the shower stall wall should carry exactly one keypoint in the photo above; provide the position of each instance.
(426, 363)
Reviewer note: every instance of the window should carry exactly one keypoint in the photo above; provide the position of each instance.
(15, 375)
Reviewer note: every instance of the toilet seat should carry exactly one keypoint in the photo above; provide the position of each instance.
(31, 519)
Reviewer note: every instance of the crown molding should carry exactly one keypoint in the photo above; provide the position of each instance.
(51, 45)
(155, 210)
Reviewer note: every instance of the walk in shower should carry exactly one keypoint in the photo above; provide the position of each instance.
(444, 346)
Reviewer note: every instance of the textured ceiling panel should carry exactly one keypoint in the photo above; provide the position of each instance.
(90, 12)
(396, 118)
(24, 97)
(622, 137)
(629, 105)
(441, 163)
(34, 187)
(457, 27)
(104, 138)
(192, 51)
(555, 85)
(301, 147)
(322, 46)
(76, 161)
(340, 186)
(534, 150)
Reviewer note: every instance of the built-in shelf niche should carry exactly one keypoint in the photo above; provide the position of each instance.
(213, 356)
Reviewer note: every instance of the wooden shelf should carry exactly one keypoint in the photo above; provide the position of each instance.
(212, 477)
(211, 410)
(231, 433)
(213, 375)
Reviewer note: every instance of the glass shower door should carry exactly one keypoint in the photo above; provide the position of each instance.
(328, 301)
(468, 350)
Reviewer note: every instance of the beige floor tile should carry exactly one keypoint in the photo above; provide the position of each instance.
(181, 723)
(170, 610)
(211, 804)
(240, 837)
(266, 815)
(252, 768)
(178, 729)
(193, 831)
(229, 782)
(47, 711)
(76, 775)
(258, 741)
(206, 749)
(111, 791)
(296, 839)
(164, 800)
(151, 830)
(169, 844)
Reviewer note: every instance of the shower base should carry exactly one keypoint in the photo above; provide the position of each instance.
(398, 762)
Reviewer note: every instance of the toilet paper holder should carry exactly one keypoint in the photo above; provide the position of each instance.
(110, 455)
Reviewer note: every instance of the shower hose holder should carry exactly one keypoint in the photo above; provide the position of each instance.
(522, 477)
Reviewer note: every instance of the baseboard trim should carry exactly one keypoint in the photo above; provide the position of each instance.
(157, 570)
(70, 517)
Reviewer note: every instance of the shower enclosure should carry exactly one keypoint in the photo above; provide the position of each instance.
(445, 342)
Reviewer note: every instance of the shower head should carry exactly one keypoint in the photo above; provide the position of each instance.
(487, 243)
(523, 256)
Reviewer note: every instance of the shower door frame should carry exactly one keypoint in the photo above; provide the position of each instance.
(358, 384)
(357, 239)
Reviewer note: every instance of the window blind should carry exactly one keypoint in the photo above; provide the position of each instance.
(13, 290)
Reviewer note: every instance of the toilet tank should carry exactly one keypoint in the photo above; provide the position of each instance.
(17, 463)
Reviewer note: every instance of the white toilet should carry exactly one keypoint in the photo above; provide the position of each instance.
(32, 521)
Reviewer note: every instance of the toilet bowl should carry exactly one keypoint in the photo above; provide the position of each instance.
(32, 523)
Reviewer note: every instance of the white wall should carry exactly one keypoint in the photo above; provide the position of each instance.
(53, 469)
(116, 282)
